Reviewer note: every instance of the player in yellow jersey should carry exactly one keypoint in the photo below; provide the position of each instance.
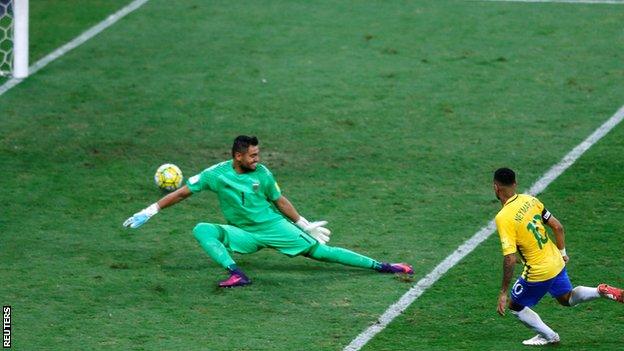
(521, 225)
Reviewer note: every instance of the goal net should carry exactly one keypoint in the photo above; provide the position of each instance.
(6, 37)
(14, 38)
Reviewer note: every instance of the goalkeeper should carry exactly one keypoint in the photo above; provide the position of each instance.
(258, 216)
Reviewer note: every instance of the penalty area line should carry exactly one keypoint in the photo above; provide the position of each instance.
(76, 42)
(469, 245)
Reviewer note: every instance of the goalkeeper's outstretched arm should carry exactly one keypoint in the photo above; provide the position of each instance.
(139, 218)
(174, 197)
(315, 229)
(287, 208)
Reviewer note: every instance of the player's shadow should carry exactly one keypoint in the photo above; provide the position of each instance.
(271, 262)
(302, 267)
(275, 267)
(279, 272)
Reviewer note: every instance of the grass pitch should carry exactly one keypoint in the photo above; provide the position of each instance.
(386, 119)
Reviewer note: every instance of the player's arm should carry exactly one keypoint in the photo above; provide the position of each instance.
(315, 229)
(174, 197)
(509, 262)
(139, 218)
(287, 209)
(507, 234)
(557, 229)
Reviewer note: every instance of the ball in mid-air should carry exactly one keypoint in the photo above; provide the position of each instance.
(168, 177)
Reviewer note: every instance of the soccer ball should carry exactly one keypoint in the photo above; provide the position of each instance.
(168, 177)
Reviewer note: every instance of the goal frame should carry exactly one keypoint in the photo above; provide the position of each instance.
(19, 41)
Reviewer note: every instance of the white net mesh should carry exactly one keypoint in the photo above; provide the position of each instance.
(6, 37)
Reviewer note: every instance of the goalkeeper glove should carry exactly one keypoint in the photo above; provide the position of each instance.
(315, 229)
(139, 218)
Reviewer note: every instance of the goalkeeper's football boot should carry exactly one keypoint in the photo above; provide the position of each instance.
(396, 268)
(237, 278)
(610, 292)
(539, 340)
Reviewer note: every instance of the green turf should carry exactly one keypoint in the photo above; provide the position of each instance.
(385, 118)
(460, 310)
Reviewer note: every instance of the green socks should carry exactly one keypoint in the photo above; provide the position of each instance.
(343, 256)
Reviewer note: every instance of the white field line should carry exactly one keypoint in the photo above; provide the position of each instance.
(469, 245)
(79, 40)
(617, 2)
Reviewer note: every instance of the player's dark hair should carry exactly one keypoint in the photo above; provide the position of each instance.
(505, 176)
(242, 143)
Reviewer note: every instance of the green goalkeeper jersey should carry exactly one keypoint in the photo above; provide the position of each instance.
(246, 199)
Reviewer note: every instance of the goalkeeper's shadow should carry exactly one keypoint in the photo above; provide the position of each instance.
(309, 266)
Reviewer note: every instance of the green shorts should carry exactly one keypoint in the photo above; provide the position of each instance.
(283, 236)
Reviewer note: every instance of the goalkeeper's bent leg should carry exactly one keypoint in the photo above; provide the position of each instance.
(211, 240)
(326, 253)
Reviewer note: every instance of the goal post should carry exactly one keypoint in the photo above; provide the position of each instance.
(14, 38)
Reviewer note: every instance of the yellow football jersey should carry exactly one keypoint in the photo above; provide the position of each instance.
(521, 228)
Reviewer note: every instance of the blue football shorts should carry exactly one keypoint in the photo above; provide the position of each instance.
(530, 293)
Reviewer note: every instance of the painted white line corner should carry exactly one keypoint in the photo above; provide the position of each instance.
(469, 245)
